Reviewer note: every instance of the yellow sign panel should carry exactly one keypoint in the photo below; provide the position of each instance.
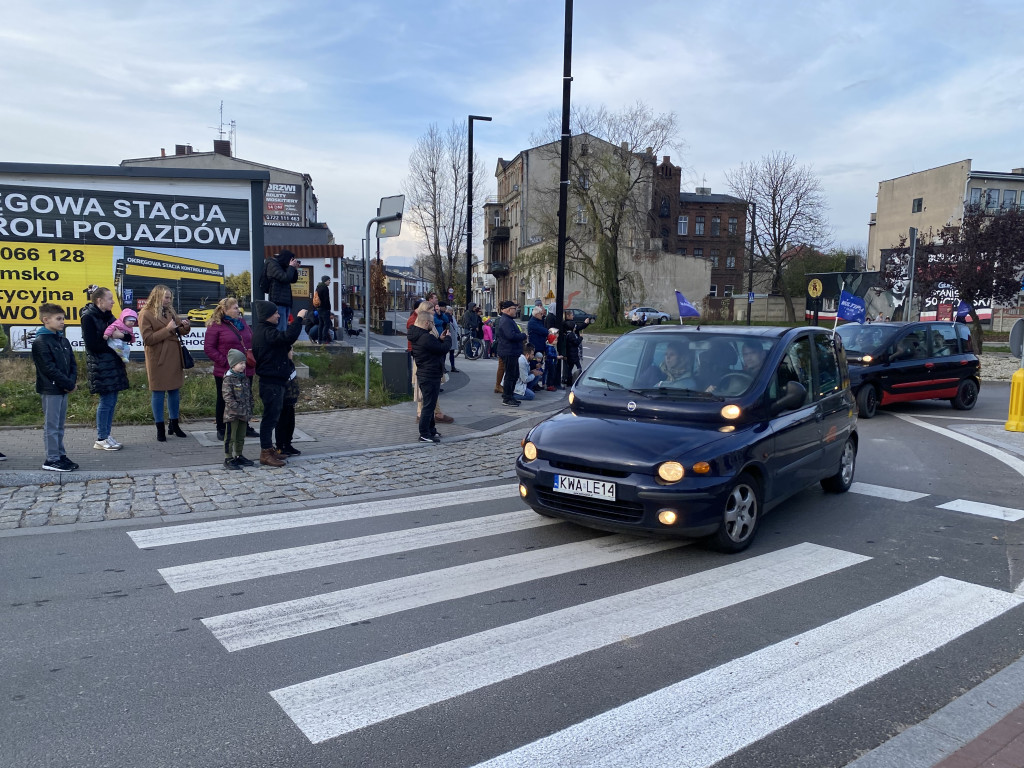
(814, 288)
(34, 273)
(303, 288)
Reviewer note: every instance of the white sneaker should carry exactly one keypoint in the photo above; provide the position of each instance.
(113, 442)
(105, 445)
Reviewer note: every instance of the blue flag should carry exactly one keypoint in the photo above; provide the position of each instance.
(963, 310)
(686, 309)
(851, 307)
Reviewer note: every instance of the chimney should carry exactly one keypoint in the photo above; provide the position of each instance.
(179, 149)
(664, 160)
(222, 147)
(163, 152)
(1018, 171)
(625, 146)
(703, 190)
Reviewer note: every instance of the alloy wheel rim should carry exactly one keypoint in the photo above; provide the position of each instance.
(740, 513)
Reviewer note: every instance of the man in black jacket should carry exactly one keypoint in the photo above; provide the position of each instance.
(510, 346)
(107, 374)
(270, 348)
(282, 271)
(56, 378)
(323, 291)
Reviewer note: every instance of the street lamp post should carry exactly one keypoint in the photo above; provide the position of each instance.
(469, 209)
(750, 264)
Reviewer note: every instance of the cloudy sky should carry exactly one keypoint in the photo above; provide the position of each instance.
(861, 90)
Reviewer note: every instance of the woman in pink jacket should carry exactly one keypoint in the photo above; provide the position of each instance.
(227, 329)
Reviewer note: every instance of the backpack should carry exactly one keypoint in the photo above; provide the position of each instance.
(316, 299)
(264, 282)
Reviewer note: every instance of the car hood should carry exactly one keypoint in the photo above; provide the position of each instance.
(610, 442)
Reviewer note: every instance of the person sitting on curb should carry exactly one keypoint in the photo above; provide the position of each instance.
(523, 390)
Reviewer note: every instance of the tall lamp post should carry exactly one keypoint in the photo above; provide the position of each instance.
(750, 264)
(469, 209)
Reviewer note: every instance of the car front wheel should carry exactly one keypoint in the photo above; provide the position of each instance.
(867, 401)
(966, 395)
(741, 514)
(841, 481)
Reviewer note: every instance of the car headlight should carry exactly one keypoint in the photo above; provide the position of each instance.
(671, 471)
(572, 398)
(530, 451)
(731, 411)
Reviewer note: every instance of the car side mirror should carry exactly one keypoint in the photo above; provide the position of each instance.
(794, 397)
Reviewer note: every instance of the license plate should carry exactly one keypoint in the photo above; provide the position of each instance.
(579, 486)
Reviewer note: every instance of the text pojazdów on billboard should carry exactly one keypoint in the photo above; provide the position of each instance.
(104, 217)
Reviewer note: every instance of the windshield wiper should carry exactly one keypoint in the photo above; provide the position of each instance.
(616, 385)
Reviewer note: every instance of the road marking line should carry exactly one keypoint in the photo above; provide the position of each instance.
(1011, 461)
(277, 521)
(882, 492)
(329, 706)
(257, 626)
(702, 720)
(182, 578)
(985, 510)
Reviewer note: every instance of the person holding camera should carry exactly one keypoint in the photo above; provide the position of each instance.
(270, 347)
(428, 350)
(161, 331)
(282, 269)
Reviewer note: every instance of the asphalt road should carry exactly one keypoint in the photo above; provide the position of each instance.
(851, 618)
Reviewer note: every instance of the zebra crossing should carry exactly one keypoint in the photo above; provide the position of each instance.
(696, 721)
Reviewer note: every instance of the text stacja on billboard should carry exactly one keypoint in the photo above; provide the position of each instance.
(62, 234)
(282, 205)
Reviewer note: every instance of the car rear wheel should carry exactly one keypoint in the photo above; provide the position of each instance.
(740, 516)
(867, 401)
(966, 395)
(841, 481)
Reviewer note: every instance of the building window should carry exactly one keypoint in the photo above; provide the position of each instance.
(716, 226)
(698, 226)
(1009, 198)
(585, 180)
(733, 225)
(714, 258)
(991, 198)
(497, 218)
(698, 252)
(665, 211)
(681, 251)
(683, 227)
(713, 290)
(917, 205)
(581, 215)
(730, 262)
(584, 149)
(727, 291)
(975, 196)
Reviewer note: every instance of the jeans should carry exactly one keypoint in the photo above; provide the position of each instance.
(527, 395)
(429, 389)
(282, 321)
(272, 395)
(105, 415)
(156, 401)
(285, 429)
(323, 331)
(55, 413)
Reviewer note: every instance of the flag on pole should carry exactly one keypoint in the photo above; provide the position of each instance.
(963, 310)
(686, 309)
(850, 307)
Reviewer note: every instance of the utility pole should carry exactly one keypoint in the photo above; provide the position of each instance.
(469, 211)
(750, 264)
(563, 187)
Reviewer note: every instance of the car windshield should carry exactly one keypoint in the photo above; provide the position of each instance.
(860, 340)
(685, 364)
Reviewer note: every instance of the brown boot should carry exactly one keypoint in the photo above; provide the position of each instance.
(268, 458)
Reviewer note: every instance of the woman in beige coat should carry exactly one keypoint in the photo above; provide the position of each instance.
(161, 331)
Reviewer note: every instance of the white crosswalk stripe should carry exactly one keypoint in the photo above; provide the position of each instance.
(702, 720)
(278, 521)
(182, 578)
(695, 722)
(985, 510)
(332, 705)
(245, 629)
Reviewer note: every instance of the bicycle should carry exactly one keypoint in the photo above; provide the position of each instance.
(470, 346)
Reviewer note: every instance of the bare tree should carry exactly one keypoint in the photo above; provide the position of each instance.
(791, 210)
(435, 192)
(609, 198)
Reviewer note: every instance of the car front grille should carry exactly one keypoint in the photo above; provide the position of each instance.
(619, 511)
(588, 469)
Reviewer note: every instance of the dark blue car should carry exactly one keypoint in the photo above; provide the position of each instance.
(696, 432)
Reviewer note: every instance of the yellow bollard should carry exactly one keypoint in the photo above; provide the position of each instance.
(1015, 421)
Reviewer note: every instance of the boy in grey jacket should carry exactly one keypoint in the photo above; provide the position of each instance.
(56, 378)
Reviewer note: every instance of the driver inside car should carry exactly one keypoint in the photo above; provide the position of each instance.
(753, 357)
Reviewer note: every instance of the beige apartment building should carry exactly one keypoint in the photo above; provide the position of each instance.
(934, 199)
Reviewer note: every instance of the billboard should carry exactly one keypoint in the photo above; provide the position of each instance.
(62, 233)
(282, 205)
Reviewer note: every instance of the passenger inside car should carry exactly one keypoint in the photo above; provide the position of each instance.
(677, 367)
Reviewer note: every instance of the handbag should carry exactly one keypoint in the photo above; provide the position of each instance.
(186, 356)
(250, 359)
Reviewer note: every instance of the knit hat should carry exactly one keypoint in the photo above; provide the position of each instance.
(235, 356)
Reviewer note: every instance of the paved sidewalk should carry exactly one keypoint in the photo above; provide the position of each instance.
(344, 453)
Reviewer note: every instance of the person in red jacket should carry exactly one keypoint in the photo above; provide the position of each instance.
(225, 330)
